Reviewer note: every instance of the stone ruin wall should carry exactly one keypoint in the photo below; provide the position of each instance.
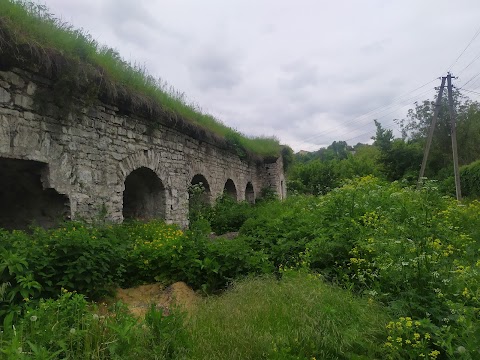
(84, 158)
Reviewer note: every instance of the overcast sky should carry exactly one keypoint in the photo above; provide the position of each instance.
(308, 72)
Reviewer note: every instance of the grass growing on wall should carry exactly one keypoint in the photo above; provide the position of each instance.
(30, 34)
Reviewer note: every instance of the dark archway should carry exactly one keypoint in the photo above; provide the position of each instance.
(230, 189)
(250, 193)
(200, 189)
(199, 197)
(144, 196)
(24, 201)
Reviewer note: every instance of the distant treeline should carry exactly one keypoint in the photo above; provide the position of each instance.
(394, 158)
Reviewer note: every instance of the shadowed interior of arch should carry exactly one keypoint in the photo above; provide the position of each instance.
(144, 197)
(230, 189)
(249, 193)
(24, 201)
(200, 181)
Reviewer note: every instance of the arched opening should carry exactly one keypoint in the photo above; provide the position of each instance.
(250, 193)
(199, 197)
(24, 201)
(199, 190)
(144, 196)
(230, 189)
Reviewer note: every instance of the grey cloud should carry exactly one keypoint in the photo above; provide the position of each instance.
(135, 22)
(375, 47)
(211, 69)
(364, 102)
(299, 75)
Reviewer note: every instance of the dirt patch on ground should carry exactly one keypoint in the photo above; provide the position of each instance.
(140, 298)
(228, 235)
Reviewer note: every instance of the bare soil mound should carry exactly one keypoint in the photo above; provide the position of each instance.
(140, 298)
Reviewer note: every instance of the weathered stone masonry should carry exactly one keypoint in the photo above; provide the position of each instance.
(89, 157)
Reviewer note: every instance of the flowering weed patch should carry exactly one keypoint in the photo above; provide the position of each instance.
(71, 328)
(164, 253)
(153, 247)
(414, 251)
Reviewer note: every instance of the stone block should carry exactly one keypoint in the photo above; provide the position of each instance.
(5, 96)
(118, 156)
(31, 88)
(28, 116)
(12, 78)
(112, 178)
(23, 101)
(84, 176)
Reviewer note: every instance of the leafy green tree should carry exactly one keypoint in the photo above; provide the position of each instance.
(416, 125)
(468, 132)
(287, 156)
(398, 158)
(319, 172)
(338, 150)
(315, 177)
(362, 161)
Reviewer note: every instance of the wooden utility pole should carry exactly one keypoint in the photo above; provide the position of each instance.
(430, 133)
(454, 137)
(448, 78)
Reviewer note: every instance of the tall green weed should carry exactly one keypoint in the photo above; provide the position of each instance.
(228, 215)
(297, 317)
(69, 327)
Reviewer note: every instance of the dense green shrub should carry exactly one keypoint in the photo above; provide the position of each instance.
(281, 229)
(77, 257)
(419, 254)
(164, 253)
(470, 179)
(74, 257)
(71, 328)
(325, 226)
(228, 215)
(17, 281)
(414, 250)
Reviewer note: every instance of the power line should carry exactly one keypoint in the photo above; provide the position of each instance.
(477, 33)
(471, 62)
(405, 103)
(396, 101)
(476, 87)
(466, 47)
(471, 91)
(369, 112)
(473, 77)
(474, 83)
(370, 132)
(376, 118)
(380, 109)
(383, 125)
